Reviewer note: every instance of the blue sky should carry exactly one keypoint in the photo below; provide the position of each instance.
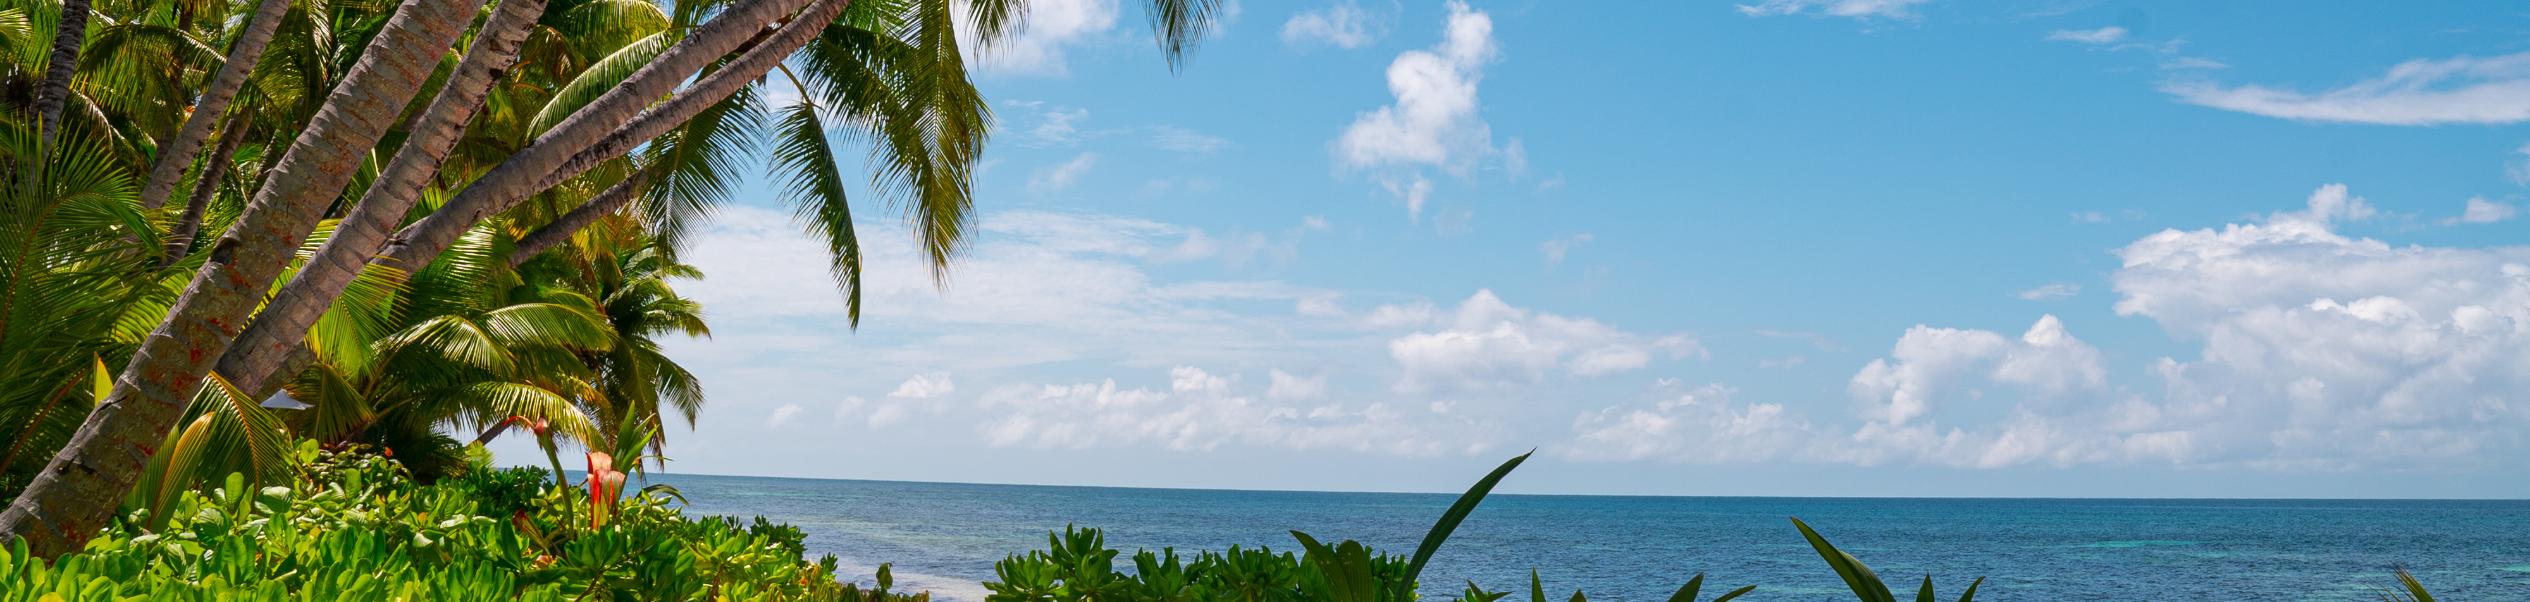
(1856, 247)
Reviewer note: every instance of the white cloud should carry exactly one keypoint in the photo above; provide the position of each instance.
(1415, 190)
(2482, 211)
(2325, 351)
(1202, 412)
(1930, 365)
(1181, 140)
(1515, 158)
(2105, 35)
(1286, 387)
(782, 415)
(1433, 123)
(1704, 426)
(1555, 249)
(1488, 344)
(2319, 352)
(2090, 217)
(1054, 125)
(2471, 90)
(925, 386)
(2050, 292)
(1052, 29)
(2518, 169)
(1858, 9)
(1062, 175)
(922, 393)
(1343, 25)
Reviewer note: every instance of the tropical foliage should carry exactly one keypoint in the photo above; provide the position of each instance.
(411, 224)
(354, 526)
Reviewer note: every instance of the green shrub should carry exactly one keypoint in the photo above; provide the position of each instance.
(356, 526)
(1077, 566)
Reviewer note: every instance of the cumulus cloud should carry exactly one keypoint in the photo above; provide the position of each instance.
(2049, 292)
(1433, 122)
(1344, 25)
(1202, 411)
(2482, 211)
(1929, 364)
(1052, 29)
(1487, 343)
(2102, 36)
(2319, 351)
(2460, 90)
(1857, 9)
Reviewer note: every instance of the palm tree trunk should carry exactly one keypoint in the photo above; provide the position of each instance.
(260, 358)
(67, 37)
(531, 169)
(180, 236)
(77, 492)
(614, 199)
(266, 344)
(708, 91)
(177, 153)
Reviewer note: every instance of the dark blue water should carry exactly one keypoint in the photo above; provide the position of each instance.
(945, 537)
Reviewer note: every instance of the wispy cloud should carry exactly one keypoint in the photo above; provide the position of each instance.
(1343, 25)
(2102, 36)
(1555, 249)
(2482, 211)
(1819, 341)
(2460, 90)
(1856, 9)
(1062, 175)
(2049, 292)
(1181, 140)
(1054, 27)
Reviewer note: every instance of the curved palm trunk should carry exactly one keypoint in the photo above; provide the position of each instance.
(324, 277)
(537, 167)
(71, 32)
(79, 490)
(180, 236)
(178, 152)
(268, 342)
(614, 199)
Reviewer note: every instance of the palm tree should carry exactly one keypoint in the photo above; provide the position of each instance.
(178, 152)
(61, 507)
(471, 359)
(631, 276)
(103, 458)
(69, 307)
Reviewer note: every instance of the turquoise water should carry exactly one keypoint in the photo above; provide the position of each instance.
(945, 537)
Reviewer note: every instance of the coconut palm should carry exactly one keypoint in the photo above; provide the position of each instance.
(473, 359)
(630, 275)
(59, 508)
(69, 308)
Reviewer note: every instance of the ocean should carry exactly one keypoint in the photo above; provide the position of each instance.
(945, 537)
